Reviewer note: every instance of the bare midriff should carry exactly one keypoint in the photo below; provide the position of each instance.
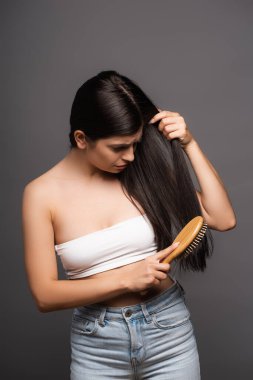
(132, 298)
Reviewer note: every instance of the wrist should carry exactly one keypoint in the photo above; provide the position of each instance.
(123, 282)
(187, 147)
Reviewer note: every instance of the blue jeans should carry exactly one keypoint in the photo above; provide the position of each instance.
(150, 340)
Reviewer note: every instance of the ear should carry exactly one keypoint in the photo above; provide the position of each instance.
(80, 138)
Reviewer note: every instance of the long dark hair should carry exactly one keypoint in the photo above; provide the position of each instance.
(110, 104)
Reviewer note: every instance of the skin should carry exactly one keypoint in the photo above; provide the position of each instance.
(172, 125)
(213, 198)
(67, 202)
(102, 157)
(52, 215)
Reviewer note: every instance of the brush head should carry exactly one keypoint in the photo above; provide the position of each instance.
(189, 237)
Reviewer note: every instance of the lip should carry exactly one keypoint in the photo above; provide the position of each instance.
(121, 167)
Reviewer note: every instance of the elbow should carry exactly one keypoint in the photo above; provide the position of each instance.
(43, 297)
(42, 304)
(42, 308)
(232, 224)
(45, 306)
(229, 226)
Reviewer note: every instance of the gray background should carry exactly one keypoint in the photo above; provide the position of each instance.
(192, 57)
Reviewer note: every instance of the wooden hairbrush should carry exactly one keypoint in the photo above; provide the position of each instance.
(189, 237)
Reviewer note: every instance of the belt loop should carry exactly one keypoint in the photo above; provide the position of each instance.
(102, 316)
(146, 313)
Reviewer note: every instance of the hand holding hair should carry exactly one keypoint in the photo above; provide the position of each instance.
(173, 125)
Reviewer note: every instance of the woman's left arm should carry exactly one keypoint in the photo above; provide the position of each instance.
(213, 197)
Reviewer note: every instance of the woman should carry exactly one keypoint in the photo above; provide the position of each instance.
(111, 209)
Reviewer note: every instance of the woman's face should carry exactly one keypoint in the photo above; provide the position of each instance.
(113, 154)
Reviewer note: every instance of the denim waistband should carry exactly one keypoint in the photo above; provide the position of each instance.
(135, 311)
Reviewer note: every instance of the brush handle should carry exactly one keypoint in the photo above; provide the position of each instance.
(185, 237)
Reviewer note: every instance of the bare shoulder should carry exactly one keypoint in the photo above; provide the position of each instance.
(38, 235)
(43, 188)
(45, 179)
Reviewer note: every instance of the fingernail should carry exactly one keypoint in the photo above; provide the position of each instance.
(176, 244)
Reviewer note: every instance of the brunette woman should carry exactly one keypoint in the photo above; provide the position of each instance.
(110, 209)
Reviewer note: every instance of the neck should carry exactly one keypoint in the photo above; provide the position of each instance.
(77, 164)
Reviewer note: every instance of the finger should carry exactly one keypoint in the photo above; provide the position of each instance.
(170, 120)
(162, 267)
(161, 115)
(168, 127)
(158, 116)
(165, 252)
(175, 135)
(160, 275)
(156, 282)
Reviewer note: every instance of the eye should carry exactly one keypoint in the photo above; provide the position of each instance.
(118, 149)
(121, 148)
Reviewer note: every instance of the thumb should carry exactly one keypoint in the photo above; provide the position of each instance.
(166, 251)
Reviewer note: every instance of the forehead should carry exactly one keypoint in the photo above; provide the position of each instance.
(124, 139)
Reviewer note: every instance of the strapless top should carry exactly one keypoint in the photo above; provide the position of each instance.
(120, 244)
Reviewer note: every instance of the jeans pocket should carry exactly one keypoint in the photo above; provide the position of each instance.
(172, 316)
(84, 324)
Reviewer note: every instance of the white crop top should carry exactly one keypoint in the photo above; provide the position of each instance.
(123, 243)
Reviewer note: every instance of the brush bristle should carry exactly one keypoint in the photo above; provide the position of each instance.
(196, 241)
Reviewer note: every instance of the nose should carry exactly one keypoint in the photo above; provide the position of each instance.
(129, 154)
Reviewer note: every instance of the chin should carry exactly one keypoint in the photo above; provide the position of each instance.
(111, 171)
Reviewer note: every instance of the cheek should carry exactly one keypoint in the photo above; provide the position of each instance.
(104, 158)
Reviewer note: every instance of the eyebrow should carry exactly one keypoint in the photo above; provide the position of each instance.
(124, 145)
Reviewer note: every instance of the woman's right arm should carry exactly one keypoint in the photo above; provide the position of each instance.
(52, 294)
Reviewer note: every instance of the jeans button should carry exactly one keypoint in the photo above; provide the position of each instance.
(128, 313)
